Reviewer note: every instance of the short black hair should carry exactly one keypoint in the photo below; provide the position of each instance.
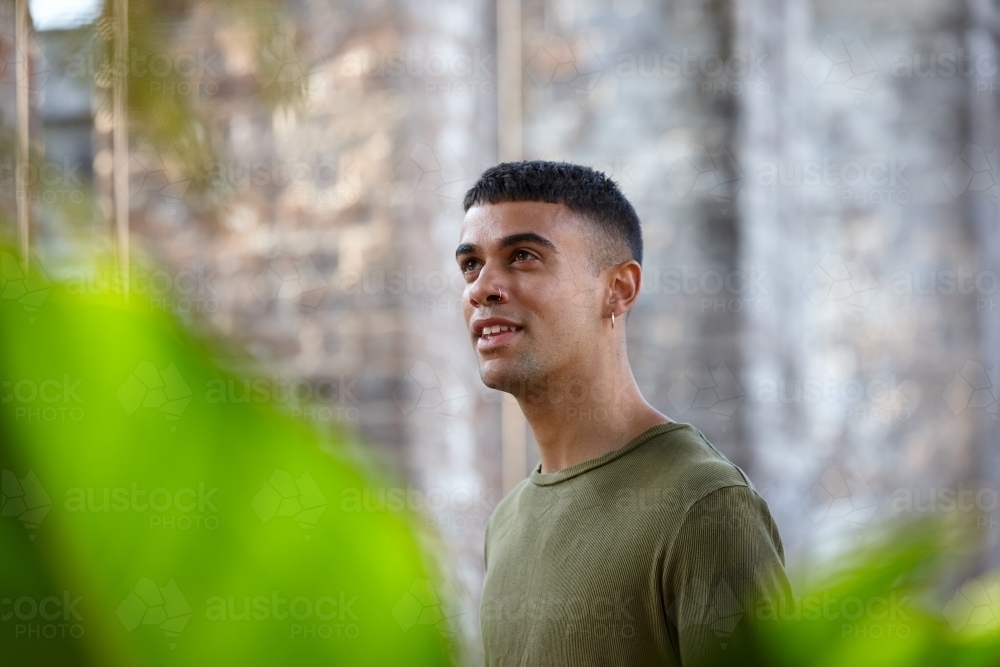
(586, 192)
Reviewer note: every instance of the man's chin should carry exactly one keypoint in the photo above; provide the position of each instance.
(503, 376)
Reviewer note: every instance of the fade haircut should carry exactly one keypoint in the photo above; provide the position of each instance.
(588, 193)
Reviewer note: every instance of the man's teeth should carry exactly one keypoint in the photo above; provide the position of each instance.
(489, 331)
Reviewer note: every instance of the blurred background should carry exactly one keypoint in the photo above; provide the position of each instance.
(817, 183)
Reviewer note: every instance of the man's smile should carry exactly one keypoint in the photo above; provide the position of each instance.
(494, 332)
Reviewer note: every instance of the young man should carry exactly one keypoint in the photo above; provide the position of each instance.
(634, 542)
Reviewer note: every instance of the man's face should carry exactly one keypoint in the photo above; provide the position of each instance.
(536, 255)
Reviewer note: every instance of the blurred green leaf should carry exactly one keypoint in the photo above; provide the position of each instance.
(145, 523)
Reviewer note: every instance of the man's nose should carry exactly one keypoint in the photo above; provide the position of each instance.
(488, 289)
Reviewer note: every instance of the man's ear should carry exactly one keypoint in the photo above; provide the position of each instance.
(624, 282)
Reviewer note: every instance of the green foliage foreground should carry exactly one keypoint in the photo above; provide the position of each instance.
(146, 525)
(891, 602)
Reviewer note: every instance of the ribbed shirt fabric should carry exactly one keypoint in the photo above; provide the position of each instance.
(656, 553)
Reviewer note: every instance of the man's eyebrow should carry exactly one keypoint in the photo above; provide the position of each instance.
(508, 241)
(527, 237)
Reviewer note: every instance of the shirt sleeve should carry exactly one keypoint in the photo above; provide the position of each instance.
(727, 558)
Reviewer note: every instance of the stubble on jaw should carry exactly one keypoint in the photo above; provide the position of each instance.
(534, 384)
(515, 378)
(550, 376)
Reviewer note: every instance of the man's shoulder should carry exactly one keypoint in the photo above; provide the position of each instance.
(684, 463)
(672, 471)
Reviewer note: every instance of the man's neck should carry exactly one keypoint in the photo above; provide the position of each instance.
(582, 418)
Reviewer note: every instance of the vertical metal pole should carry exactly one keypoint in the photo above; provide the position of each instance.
(23, 49)
(509, 110)
(120, 140)
(981, 37)
(513, 442)
(513, 426)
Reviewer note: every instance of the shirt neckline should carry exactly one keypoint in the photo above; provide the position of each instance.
(551, 478)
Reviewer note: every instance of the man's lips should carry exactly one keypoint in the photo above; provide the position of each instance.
(492, 333)
(493, 341)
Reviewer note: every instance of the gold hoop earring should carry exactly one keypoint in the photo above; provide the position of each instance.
(612, 320)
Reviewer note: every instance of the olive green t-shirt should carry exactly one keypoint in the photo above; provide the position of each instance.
(656, 553)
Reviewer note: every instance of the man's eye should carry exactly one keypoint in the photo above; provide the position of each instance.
(522, 255)
(469, 265)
